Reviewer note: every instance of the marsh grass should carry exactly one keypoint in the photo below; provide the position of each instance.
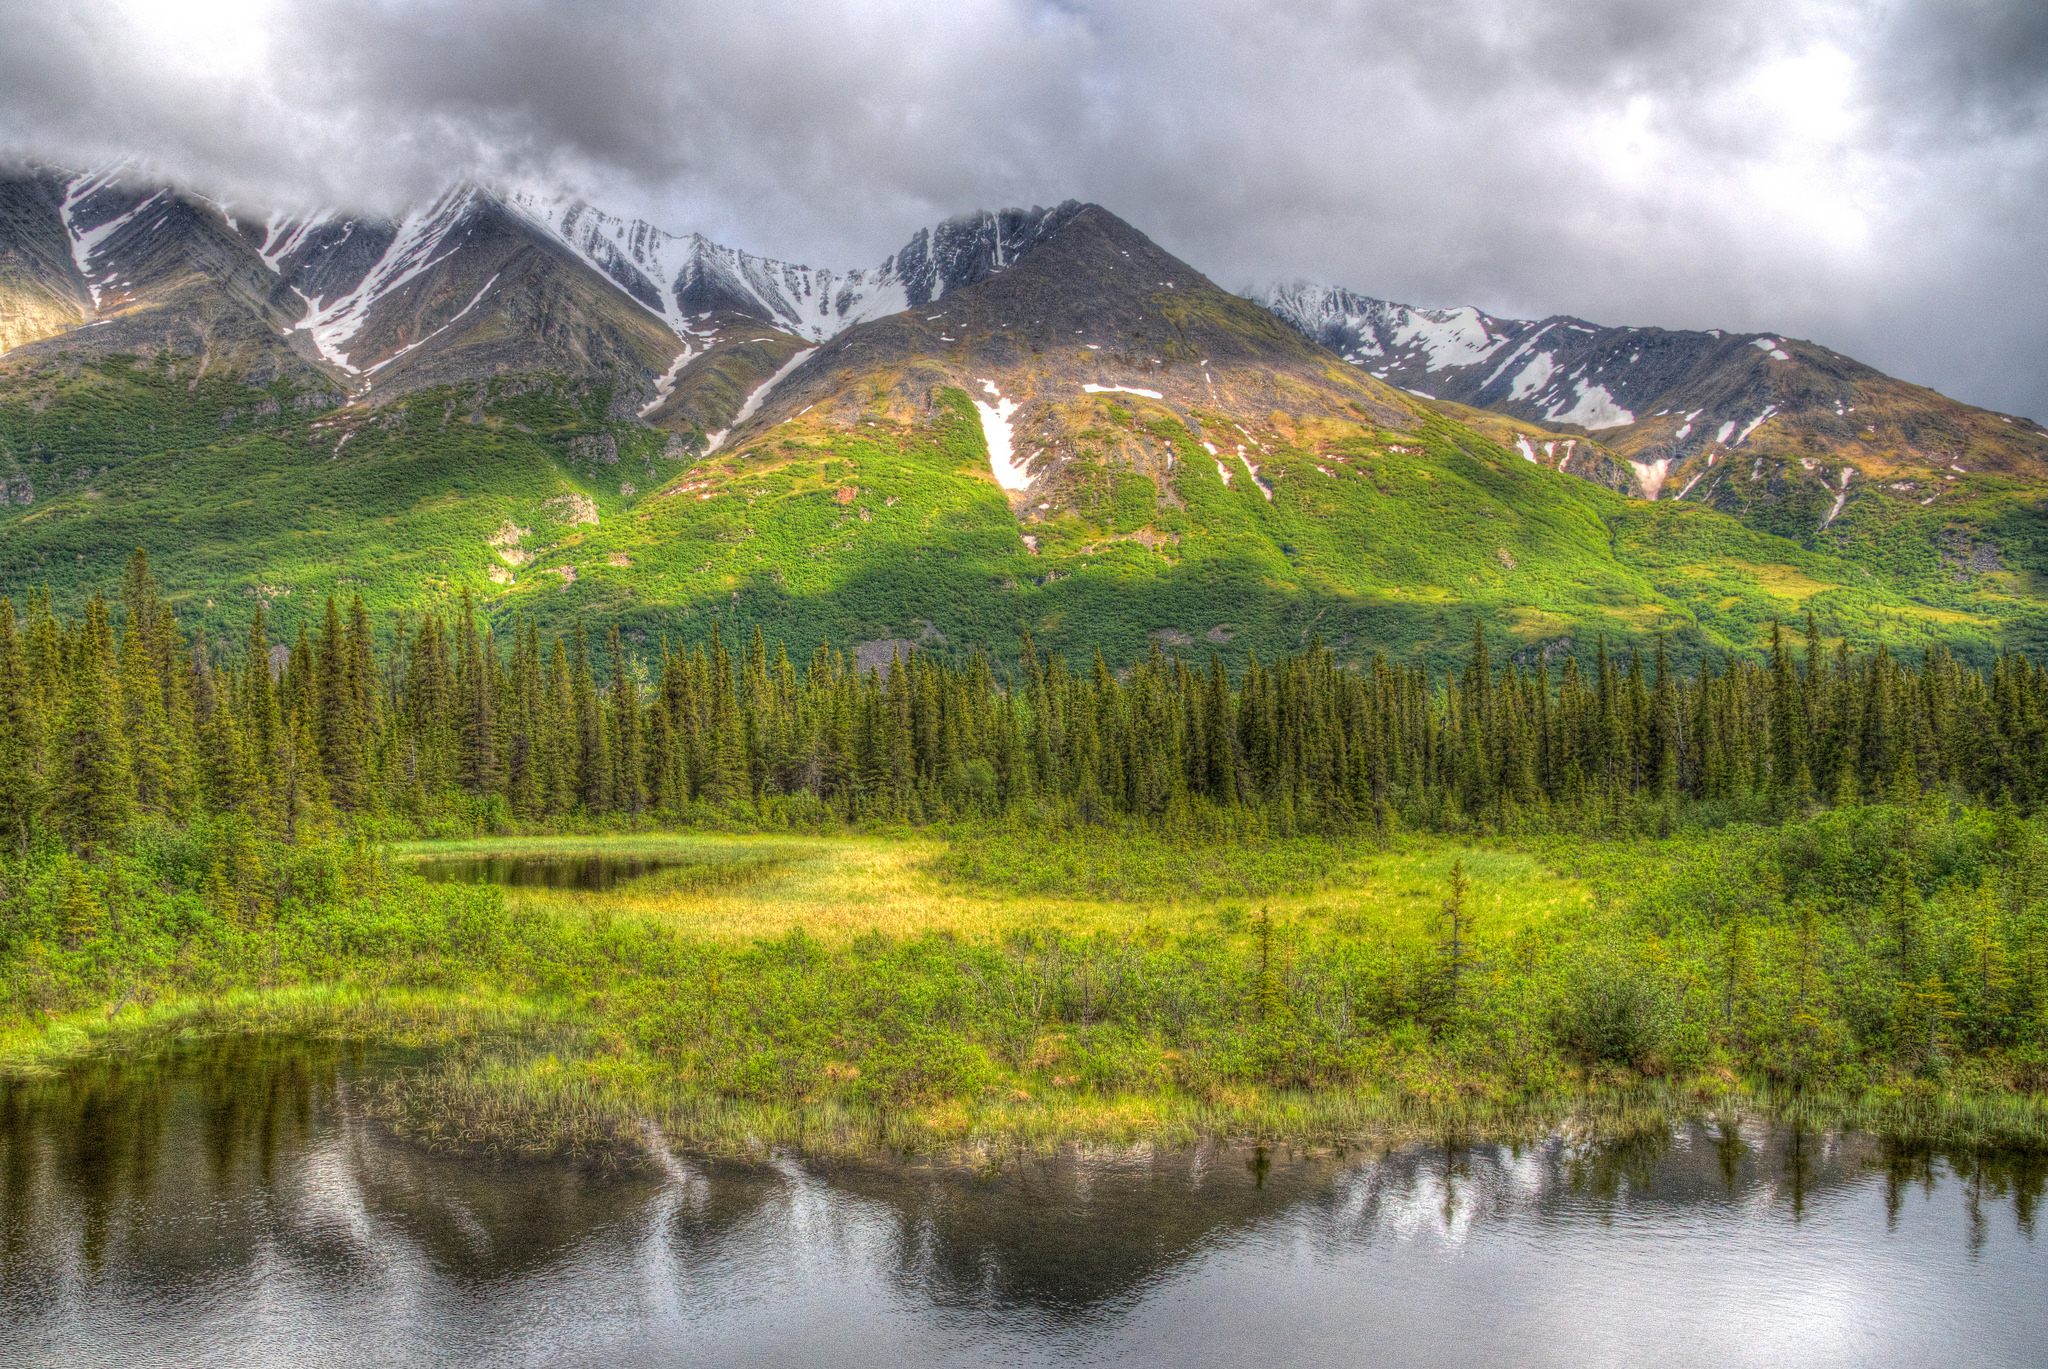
(738, 888)
(504, 1078)
(543, 1108)
(1931, 1120)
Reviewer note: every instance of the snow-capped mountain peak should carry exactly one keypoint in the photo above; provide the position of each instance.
(683, 277)
(1380, 335)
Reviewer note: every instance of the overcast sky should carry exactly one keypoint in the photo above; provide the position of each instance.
(1868, 174)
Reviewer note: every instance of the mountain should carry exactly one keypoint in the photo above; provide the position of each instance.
(471, 283)
(141, 268)
(1094, 318)
(1022, 420)
(42, 290)
(1782, 432)
(1099, 446)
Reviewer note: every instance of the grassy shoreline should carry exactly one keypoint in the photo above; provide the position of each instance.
(507, 1077)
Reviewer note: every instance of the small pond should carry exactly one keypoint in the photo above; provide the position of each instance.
(543, 872)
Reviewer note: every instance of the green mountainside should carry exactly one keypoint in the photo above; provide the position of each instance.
(1185, 470)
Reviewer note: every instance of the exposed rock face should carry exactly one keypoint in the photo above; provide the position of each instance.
(1964, 556)
(41, 290)
(573, 510)
(877, 655)
(460, 288)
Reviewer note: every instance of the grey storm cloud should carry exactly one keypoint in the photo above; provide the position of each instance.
(1867, 173)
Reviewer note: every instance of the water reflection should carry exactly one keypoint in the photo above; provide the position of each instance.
(232, 1205)
(544, 872)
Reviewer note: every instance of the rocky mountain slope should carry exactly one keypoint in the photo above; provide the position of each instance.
(688, 277)
(457, 288)
(1779, 431)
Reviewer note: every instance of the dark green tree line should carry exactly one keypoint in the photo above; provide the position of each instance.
(121, 714)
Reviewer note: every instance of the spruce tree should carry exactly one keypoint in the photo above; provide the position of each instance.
(82, 911)
(20, 782)
(476, 682)
(592, 777)
(628, 785)
(343, 722)
(157, 764)
(92, 796)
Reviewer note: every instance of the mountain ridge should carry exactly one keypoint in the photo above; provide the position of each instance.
(1071, 432)
(1674, 405)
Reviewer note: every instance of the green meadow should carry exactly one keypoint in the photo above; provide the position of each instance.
(848, 991)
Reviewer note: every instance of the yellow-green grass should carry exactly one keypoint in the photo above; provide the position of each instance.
(837, 888)
(1946, 615)
(393, 1016)
(1781, 581)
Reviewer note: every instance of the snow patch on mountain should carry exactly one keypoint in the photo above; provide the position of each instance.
(86, 239)
(681, 277)
(1257, 479)
(422, 242)
(1448, 337)
(1533, 377)
(1755, 423)
(283, 236)
(1651, 475)
(1595, 408)
(1359, 327)
(1841, 498)
(1010, 473)
(766, 387)
(665, 385)
(1561, 370)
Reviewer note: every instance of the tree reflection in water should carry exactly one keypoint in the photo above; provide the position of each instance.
(231, 1201)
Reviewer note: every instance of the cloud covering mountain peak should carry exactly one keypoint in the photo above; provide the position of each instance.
(1872, 175)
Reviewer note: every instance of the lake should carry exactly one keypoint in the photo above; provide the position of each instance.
(232, 1205)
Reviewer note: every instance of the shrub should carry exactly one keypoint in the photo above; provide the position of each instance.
(1615, 1012)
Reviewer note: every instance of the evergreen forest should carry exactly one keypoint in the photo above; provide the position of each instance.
(439, 726)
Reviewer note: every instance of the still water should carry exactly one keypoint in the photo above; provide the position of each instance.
(232, 1206)
(542, 872)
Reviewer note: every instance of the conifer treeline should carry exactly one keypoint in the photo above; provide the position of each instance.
(101, 722)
